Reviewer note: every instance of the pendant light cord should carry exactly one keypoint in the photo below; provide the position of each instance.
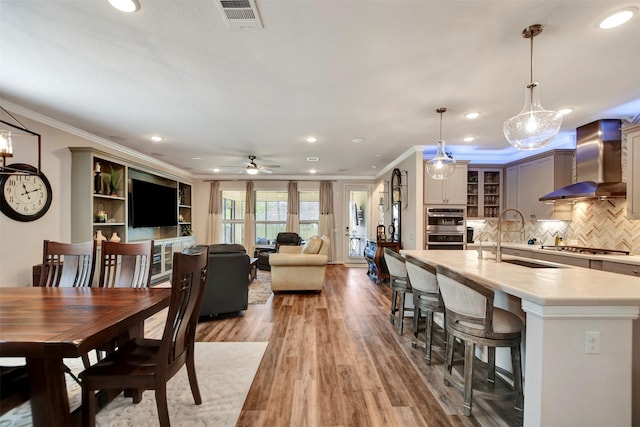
(532, 37)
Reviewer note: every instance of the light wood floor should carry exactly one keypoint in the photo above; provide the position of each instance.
(335, 360)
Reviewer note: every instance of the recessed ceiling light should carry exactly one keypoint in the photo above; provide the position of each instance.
(215, 170)
(565, 111)
(358, 140)
(312, 171)
(156, 138)
(311, 139)
(618, 18)
(127, 6)
(196, 158)
(468, 138)
(472, 115)
(374, 166)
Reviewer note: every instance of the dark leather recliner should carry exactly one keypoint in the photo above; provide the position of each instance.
(285, 238)
(227, 288)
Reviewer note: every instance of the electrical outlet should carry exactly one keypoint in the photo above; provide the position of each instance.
(592, 342)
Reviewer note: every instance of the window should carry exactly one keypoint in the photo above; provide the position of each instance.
(271, 215)
(233, 209)
(309, 213)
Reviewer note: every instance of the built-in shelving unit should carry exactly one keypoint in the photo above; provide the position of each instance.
(184, 208)
(95, 207)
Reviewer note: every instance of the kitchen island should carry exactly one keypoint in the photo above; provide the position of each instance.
(565, 386)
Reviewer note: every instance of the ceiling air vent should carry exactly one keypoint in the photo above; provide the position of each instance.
(312, 159)
(240, 14)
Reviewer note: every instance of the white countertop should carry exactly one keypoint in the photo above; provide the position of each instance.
(624, 259)
(545, 286)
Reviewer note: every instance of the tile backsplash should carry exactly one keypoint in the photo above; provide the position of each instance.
(595, 223)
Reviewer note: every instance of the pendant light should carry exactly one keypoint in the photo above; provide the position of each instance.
(534, 127)
(442, 165)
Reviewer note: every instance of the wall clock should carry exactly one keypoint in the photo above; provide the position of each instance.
(24, 197)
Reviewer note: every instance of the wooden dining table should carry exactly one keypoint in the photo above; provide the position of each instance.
(45, 325)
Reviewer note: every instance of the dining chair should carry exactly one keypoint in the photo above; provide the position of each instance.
(67, 264)
(147, 364)
(126, 265)
(471, 317)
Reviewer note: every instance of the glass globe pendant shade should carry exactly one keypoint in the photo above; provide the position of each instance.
(534, 127)
(441, 166)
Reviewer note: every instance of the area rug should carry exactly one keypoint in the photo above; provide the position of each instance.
(225, 373)
(260, 288)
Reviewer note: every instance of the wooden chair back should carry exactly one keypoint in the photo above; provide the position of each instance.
(126, 265)
(188, 282)
(67, 264)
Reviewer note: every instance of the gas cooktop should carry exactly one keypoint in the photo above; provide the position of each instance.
(584, 250)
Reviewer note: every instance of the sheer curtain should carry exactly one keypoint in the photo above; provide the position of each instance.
(326, 225)
(250, 219)
(293, 218)
(214, 220)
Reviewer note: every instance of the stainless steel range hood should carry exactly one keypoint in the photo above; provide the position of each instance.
(598, 164)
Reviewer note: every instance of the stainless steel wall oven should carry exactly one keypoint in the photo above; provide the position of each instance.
(446, 228)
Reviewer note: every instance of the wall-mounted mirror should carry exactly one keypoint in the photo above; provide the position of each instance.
(396, 206)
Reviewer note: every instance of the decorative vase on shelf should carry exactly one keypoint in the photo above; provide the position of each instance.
(99, 238)
(97, 179)
(115, 237)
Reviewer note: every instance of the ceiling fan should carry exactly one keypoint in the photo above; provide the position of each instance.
(253, 169)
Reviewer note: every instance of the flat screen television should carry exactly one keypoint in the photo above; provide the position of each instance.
(153, 205)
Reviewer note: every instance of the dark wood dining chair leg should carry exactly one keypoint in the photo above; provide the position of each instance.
(161, 404)
(193, 379)
(88, 407)
(469, 352)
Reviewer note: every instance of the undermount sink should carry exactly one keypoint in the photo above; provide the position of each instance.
(529, 264)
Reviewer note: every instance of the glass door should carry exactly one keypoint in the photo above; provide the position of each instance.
(357, 217)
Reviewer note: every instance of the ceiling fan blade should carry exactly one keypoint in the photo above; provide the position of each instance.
(262, 170)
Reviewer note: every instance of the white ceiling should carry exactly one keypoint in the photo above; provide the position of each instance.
(334, 69)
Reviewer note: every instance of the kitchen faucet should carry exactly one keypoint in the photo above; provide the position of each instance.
(499, 239)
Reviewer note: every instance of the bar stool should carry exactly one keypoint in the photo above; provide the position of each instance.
(472, 318)
(426, 299)
(399, 283)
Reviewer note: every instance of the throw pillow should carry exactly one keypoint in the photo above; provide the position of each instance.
(312, 246)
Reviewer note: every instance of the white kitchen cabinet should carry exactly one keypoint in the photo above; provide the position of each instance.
(450, 191)
(632, 134)
(535, 178)
(511, 191)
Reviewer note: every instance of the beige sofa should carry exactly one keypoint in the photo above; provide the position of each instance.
(300, 268)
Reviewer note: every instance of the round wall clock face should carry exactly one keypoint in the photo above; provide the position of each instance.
(24, 197)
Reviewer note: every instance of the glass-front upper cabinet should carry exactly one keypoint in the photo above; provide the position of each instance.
(484, 192)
